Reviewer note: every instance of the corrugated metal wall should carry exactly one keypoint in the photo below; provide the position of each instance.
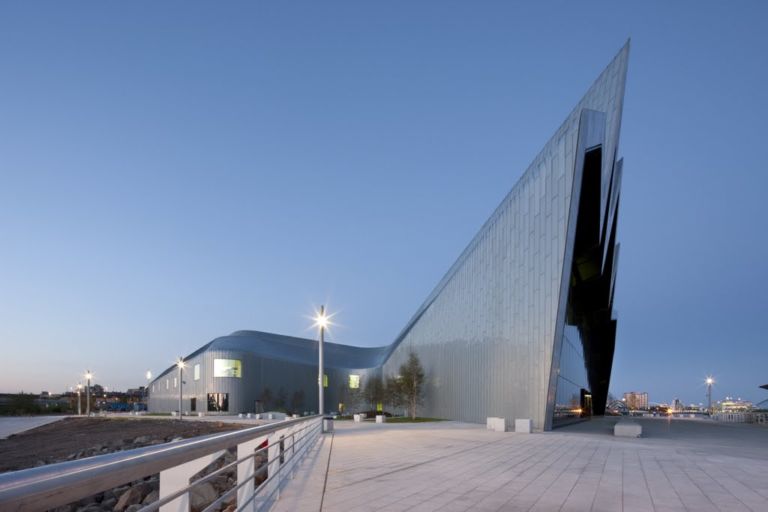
(486, 334)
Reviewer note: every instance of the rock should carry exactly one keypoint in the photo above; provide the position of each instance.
(130, 497)
(220, 483)
(142, 440)
(202, 495)
(230, 508)
(109, 503)
(92, 507)
(133, 508)
(177, 439)
(151, 497)
(120, 490)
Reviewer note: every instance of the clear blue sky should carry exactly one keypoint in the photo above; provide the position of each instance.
(175, 171)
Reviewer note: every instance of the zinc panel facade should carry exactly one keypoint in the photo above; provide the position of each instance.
(486, 334)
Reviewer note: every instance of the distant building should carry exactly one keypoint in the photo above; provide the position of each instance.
(636, 401)
(731, 404)
(677, 405)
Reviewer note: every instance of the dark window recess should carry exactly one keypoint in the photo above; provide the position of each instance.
(218, 402)
(193, 404)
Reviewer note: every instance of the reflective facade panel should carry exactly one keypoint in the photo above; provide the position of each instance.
(491, 334)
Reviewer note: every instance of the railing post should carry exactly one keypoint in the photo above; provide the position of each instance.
(177, 478)
(246, 471)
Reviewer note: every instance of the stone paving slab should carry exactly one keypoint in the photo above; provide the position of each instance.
(10, 425)
(679, 465)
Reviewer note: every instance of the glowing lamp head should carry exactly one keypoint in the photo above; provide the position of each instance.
(180, 363)
(149, 374)
(321, 320)
(88, 375)
(710, 381)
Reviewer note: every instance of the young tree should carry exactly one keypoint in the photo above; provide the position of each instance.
(392, 392)
(297, 401)
(373, 392)
(411, 383)
(266, 399)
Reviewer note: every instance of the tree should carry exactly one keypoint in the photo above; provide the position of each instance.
(297, 401)
(373, 392)
(411, 383)
(392, 392)
(266, 399)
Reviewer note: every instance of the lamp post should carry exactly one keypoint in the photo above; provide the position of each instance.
(146, 390)
(88, 377)
(321, 321)
(180, 364)
(79, 409)
(709, 382)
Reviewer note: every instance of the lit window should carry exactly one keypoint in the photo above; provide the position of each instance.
(197, 372)
(167, 383)
(227, 368)
(354, 381)
(325, 381)
(175, 382)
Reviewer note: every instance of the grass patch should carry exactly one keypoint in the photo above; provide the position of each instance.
(157, 414)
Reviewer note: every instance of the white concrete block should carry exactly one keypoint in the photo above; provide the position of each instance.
(496, 424)
(380, 418)
(357, 418)
(626, 428)
(523, 426)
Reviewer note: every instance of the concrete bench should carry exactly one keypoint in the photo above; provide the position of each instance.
(496, 424)
(523, 426)
(627, 428)
(380, 418)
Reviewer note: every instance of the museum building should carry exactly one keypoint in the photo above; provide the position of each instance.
(521, 326)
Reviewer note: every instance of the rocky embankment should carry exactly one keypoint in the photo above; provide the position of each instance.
(132, 497)
(78, 438)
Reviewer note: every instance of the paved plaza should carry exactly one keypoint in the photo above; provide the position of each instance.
(692, 465)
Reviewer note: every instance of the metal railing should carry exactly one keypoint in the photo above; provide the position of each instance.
(267, 451)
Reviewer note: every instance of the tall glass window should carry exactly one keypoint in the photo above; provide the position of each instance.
(197, 371)
(572, 398)
(354, 381)
(218, 402)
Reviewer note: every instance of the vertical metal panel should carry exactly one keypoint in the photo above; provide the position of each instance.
(486, 335)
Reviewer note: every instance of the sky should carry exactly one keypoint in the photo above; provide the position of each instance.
(171, 172)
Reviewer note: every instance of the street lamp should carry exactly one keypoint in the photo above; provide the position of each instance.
(321, 321)
(146, 390)
(709, 382)
(79, 410)
(180, 364)
(88, 376)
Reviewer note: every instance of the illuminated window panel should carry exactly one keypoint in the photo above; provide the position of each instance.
(227, 368)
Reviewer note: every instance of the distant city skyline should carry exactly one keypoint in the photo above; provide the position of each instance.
(173, 173)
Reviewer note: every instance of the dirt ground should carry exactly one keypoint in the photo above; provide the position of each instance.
(74, 438)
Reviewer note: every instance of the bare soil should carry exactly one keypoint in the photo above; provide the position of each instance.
(74, 438)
